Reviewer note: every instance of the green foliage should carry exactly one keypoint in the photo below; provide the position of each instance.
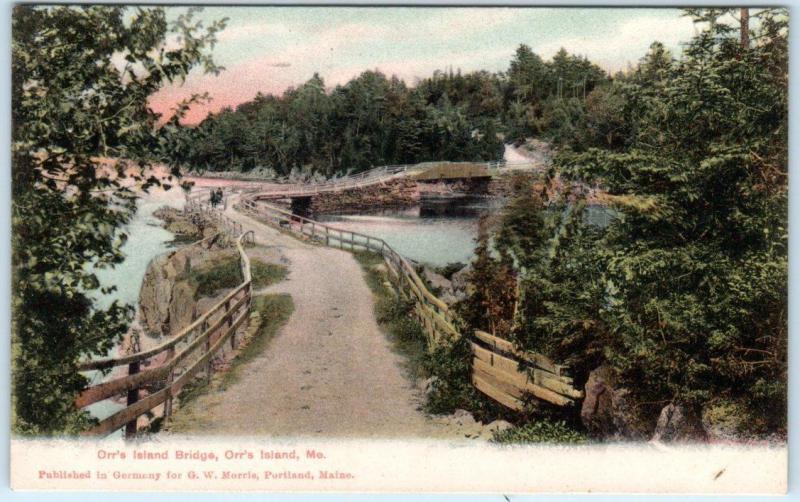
(275, 311)
(451, 364)
(224, 273)
(548, 97)
(266, 274)
(394, 315)
(73, 109)
(540, 432)
(370, 121)
(684, 294)
(490, 306)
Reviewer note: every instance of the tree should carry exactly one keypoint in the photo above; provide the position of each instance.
(697, 266)
(81, 77)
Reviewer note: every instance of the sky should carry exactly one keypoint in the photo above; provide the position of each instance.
(268, 49)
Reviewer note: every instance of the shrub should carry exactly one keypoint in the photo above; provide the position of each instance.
(540, 432)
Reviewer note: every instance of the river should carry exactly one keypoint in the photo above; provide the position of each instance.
(440, 230)
(436, 232)
(146, 240)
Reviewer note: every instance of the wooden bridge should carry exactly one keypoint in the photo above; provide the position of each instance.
(380, 176)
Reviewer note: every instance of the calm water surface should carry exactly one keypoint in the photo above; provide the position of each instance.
(437, 232)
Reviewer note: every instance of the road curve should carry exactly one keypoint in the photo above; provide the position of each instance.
(329, 372)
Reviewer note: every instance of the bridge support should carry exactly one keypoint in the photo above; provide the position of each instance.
(301, 206)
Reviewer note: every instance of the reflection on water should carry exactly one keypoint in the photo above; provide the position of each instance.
(439, 231)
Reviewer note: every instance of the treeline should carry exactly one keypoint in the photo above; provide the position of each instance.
(376, 120)
(682, 299)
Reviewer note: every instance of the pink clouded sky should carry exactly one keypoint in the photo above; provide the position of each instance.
(268, 49)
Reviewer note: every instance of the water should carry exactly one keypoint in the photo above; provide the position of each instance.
(146, 240)
(439, 231)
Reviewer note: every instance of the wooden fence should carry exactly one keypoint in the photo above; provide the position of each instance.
(163, 371)
(500, 371)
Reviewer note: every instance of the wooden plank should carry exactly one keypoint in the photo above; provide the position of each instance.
(506, 346)
(537, 379)
(119, 385)
(122, 417)
(496, 394)
(518, 384)
(200, 363)
(132, 412)
(131, 382)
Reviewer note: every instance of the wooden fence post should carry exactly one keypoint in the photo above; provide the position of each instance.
(170, 379)
(229, 323)
(133, 397)
(206, 350)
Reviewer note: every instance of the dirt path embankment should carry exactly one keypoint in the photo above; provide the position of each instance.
(329, 372)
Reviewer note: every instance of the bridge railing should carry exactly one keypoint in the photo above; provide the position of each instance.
(366, 178)
(502, 372)
(165, 369)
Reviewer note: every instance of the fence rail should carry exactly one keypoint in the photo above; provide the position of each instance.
(171, 365)
(501, 371)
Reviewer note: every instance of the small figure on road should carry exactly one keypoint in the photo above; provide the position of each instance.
(216, 197)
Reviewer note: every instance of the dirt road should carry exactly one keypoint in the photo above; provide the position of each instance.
(329, 372)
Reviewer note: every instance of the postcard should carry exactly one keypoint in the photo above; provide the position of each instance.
(399, 249)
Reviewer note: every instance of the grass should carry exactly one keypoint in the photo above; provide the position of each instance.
(275, 311)
(393, 315)
(221, 273)
(266, 274)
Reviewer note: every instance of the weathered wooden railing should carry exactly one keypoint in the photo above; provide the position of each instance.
(163, 371)
(423, 171)
(500, 371)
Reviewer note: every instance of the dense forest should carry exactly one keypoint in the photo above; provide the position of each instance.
(682, 299)
(376, 120)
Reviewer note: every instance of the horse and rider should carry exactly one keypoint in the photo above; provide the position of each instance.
(216, 197)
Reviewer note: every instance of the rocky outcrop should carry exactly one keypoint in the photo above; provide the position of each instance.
(185, 225)
(449, 291)
(167, 296)
(166, 299)
(460, 283)
(677, 423)
(396, 192)
(607, 411)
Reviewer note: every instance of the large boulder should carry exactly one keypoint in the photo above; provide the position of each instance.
(166, 299)
(182, 307)
(436, 281)
(677, 423)
(459, 282)
(155, 295)
(607, 411)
